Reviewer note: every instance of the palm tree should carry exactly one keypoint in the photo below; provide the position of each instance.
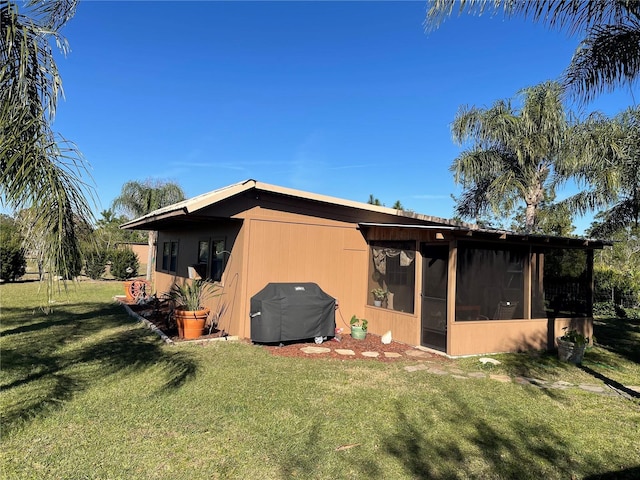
(609, 53)
(373, 200)
(139, 198)
(605, 155)
(38, 169)
(512, 155)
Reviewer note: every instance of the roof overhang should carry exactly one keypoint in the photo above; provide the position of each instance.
(191, 206)
(411, 226)
(499, 235)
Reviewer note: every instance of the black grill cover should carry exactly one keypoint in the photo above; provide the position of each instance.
(282, 312)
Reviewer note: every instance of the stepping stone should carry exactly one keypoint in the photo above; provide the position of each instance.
(313, 350)
(457, 371)
(344, 351)
(592, 388)
(437, 371)
(477, 375)
(392, 354)
(536, 381)
(559, 385)
(416, 353)
(370, 354)
(501, 378)
(563, 383)
(492, 361)
(521, 381)
(415, 368)
(460, 377)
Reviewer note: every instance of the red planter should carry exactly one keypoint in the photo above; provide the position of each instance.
(191, 322)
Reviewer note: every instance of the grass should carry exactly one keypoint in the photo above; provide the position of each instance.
(89, 393)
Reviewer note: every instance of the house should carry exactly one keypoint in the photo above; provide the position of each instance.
(452, 286)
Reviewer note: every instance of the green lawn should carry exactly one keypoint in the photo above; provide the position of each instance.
(89, 393)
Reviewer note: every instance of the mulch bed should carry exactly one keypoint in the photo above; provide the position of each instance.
(159, 315)
(372, 343)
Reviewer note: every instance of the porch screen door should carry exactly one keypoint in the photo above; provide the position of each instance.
(435, 259)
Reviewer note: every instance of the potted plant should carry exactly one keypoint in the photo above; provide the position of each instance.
(571, 346)
(379, 296)
(190, 312)
(358, 328)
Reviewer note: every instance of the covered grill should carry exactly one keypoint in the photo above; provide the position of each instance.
(282, 312)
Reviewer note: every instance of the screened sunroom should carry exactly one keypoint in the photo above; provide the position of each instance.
(479, 291)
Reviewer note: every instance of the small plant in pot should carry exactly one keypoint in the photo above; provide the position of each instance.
(379, 296)
(358, 328)
(190, 312)
(571, 346)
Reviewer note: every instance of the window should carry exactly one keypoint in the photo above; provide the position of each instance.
(203, 252)
(217, 259)
(169, 257)
(392, 270)
(489, 282)
(560, 283)
(211, 255)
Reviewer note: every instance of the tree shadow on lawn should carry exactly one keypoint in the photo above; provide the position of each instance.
(619, 335)
(515, 448)
(55, 357)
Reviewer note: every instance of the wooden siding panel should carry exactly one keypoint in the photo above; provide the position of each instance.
(404, 327)
(297, 252)
(469, 338)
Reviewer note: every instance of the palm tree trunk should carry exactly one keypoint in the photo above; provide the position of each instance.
(529, 217)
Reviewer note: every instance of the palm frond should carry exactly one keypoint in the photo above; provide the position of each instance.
(573, 15)
(608, 58)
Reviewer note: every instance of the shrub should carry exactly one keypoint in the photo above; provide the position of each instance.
(611, 285)
(12, 262)
(124, 264)
(96, 263)
(73, 265)
(604, 309)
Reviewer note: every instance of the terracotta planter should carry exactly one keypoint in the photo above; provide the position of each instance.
(191, 322)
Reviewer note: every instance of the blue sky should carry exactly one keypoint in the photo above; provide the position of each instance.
(339, 98)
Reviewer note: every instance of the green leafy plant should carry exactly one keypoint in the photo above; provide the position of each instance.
(359, 322)
(379, 293)
(124, 264)
(191, 296)
(574, 336)
(95, 263)
(12, 262)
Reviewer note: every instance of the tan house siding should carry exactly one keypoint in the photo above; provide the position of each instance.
(331, 254)
(188, 255)
(469, 338)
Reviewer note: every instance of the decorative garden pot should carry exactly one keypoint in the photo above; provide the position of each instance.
(191, 322)
(570, 352)
(377, 303)
(358, 333)
(136, 289)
